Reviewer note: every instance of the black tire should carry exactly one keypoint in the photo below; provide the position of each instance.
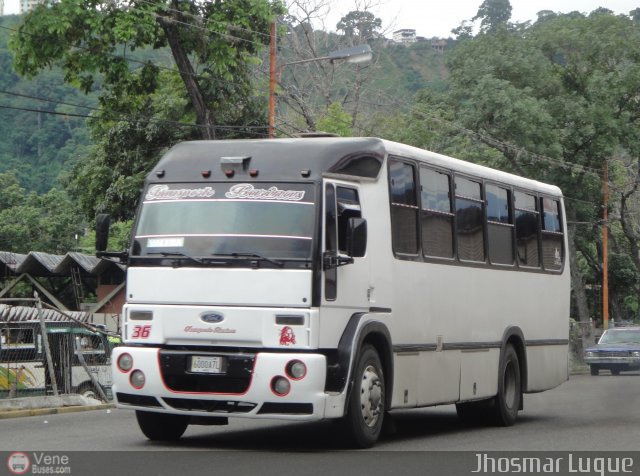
(366, 406)
(474, 412)
(594, 370)
(506, 403)
(162, 426)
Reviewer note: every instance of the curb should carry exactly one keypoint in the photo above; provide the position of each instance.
(6, 414)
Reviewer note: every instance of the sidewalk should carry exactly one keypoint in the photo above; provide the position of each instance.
(48, 405)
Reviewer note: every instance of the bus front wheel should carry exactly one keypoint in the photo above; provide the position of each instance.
(366, 407)
(162, 426)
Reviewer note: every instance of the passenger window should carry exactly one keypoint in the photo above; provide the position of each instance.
(499, 225)
(552, 236)
(404, 208)
(469, 220)
(527, 241)
(436, 216)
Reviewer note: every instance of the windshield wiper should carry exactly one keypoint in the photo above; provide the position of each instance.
(179, 254)
(274, 262)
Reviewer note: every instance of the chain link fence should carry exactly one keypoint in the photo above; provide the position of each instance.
(46, 351)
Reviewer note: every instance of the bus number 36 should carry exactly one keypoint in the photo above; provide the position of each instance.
(141, 332)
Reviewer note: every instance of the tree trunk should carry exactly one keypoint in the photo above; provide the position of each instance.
(189, 78)
(579, 294)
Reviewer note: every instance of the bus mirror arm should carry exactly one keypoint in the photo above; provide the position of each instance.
(332, 260)
(121, 256)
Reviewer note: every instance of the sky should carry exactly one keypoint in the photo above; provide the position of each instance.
(437, 18)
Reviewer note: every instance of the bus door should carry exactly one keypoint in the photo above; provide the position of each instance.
(345, 289)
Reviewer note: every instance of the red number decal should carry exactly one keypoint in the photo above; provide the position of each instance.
(141, 332)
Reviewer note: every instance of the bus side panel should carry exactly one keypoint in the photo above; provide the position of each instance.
(478, 374)
(547, 367)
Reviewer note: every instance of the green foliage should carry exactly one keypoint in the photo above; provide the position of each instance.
(32, 222)
(336, 121)
(40, 136)
(119, 238)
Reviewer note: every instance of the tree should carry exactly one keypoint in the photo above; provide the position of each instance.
(493, 14)
(32, 222)
(336, 121)
(213, 46)
(362, 25)
(309, 89)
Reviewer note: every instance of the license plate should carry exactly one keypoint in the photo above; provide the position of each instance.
(208, 365)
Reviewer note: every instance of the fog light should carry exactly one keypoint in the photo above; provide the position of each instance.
(125, 362)
(280, 386)
(296, 369)
(137, 379)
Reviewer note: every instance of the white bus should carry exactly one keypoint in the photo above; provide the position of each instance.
(338, 278)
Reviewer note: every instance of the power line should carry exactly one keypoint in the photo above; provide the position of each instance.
(133, 119)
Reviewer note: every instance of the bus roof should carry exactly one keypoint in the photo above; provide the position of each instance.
(310, 158)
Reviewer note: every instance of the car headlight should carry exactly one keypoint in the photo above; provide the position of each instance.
(635, 354)
(590, 354)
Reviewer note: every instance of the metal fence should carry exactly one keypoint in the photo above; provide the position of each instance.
(46, 351)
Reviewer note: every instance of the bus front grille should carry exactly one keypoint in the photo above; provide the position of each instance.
(174, 368)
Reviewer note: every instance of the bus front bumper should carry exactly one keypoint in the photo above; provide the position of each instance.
(260, 385)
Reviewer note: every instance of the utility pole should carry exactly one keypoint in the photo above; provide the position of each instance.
(272, 80)
(605, 247)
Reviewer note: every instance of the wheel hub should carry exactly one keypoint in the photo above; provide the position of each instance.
(371, 396)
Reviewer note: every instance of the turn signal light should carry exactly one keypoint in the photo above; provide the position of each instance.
(280, 386)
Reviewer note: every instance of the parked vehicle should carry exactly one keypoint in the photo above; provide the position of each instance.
(617, 350)
(23, 366)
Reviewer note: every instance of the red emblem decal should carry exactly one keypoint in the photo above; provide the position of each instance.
(287, 337)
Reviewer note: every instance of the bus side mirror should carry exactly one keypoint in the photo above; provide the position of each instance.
(356, 237)
(103, 221)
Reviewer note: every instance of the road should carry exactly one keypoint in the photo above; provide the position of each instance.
(584, 414)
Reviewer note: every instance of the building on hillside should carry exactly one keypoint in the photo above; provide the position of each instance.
(404, 36)
(438, 44)
(27, 5)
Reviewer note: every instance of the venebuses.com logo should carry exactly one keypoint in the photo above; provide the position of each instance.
(18, 463)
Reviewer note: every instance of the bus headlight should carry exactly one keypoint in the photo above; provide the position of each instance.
(125, 362)
(296, 369)
(590, 354)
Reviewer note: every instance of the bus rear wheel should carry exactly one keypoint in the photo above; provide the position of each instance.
(161, 426)
(366, 407)
(507, 402)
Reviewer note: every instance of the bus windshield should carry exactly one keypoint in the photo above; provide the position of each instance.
(270, 220)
